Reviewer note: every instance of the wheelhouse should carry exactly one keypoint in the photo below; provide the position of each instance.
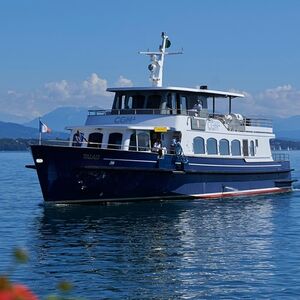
(170, 100)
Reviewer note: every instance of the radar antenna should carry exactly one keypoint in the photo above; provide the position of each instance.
(157, 60)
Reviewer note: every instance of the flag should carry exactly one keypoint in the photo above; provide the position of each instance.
(44, 128)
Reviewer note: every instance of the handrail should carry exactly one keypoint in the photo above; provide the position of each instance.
(245, 121)
(87, 144)
(134, 111)
(258, 122)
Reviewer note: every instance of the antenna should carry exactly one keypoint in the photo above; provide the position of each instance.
(157, 60)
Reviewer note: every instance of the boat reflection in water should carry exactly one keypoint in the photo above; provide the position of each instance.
(171, 249)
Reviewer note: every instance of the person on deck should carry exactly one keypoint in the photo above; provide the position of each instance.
(197, 107)
(76, 139)
(157, 146)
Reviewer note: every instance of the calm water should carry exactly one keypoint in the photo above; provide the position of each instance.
(221, 249)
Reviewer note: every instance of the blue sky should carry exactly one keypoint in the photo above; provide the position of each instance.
(56, 53)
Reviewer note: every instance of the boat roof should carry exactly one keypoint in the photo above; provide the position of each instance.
(114, 126)
(211, 93)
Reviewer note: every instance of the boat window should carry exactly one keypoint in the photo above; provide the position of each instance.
(198, 145)
(132, 143)
(224, 147)
(191, 101)
(119, 101)
(252, 148)
(115, 140)
(212, 146)
(245, 148)
(235, 148)
(183, 104)
(153, 101)
(135, 102)
(143, 141)
(171, 104)
(95, 140)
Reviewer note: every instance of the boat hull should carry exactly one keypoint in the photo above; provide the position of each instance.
(70, 175)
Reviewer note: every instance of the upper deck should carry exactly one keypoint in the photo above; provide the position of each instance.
(201, 91)
(165, 104)
(168, 100)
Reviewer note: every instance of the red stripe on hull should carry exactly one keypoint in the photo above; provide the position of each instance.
(244, 193)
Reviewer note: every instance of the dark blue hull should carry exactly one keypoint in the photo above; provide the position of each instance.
(69, 174)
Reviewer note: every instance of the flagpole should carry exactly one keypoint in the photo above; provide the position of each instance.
(40, 135)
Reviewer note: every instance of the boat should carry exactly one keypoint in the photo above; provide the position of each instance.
(162, 142)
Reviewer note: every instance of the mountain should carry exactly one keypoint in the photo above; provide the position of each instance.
(14, 131)
(61, 117)
(5, 117)
(292, 135)
(57, 120)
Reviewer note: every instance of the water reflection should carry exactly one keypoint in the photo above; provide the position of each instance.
(242, 248)
(171, 249)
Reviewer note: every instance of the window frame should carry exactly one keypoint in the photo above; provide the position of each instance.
(196, 145)
(111, 145)
(215, 145)
(225, 143)
(233, 150)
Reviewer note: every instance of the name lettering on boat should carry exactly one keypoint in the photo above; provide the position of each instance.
(91, 156)
(124, 120)
(213, 125)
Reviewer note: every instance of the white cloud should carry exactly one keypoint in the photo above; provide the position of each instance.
(13, 93)
(94, 86)
(89, 92)
(280, 101)
(58, 89)
(122, 81)
(283, 100)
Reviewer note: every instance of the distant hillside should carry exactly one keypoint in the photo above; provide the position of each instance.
(287, 128)
(57, 120)
(15, 131)
(61, 117)
(292, 135)
(4, 117)
(278, 144)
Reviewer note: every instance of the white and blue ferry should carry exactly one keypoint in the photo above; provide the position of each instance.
(162, 142)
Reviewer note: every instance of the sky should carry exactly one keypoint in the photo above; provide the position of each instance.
(67, 52)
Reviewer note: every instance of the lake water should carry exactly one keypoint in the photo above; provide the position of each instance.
(216, 249)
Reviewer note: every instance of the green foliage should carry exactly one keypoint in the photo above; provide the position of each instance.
(65, 286)
(20, 256)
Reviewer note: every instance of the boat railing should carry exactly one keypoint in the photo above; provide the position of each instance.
(238, 122)
(63, 143)
(258, 122)
(145, 111)
(232, 120)
(131, 111)
(280, 156)
(88, 144)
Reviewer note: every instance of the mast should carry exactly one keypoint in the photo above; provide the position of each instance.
(157, 61)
